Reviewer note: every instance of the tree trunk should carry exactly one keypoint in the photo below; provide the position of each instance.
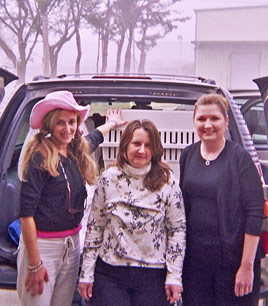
(21, 71)
(46, 71)
(105, 43)
(21, 63)
(119, 51)
(141, 68)
(53, 57)
(105, 38)
(79, 53)
(98, 54)
(79, 6)
(127, 65)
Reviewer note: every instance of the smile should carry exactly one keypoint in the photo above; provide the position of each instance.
(66, 135)
(209, 132)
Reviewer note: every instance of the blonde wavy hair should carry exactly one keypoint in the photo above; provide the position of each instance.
(78, 148)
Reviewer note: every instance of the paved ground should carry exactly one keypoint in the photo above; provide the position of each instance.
(8, 297)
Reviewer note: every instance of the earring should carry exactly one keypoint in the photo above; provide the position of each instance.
(48, 135)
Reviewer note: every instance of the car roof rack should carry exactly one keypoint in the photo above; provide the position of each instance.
(136, 76)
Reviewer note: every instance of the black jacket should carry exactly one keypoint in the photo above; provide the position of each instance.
(46, 198)
(240, 199)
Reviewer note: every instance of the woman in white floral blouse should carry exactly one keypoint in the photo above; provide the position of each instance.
(135, 242)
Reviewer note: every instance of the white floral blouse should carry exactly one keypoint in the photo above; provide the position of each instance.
(132, 226)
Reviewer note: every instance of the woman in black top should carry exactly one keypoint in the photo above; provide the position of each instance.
(55, 166)
(224, 206)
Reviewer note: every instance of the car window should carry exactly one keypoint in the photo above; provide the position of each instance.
(255, 120)
(242, 101)
(100, 108)
(23, 130)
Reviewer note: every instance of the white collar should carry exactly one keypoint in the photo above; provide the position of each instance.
(131, 171)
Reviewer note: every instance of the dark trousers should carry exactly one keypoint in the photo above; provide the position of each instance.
(128, 286)
(209, 282)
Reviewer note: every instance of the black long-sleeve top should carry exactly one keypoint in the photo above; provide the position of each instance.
(46, 198)
(231, 195)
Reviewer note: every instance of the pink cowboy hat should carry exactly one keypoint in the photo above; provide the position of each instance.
(54, 100)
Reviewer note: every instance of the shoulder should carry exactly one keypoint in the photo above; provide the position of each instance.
(109, 177)
(36, 159)
(173, 181)
(189, 150)
(172, 178)
(236, 150)
(35, 166)
(239, 159)
(111, 172)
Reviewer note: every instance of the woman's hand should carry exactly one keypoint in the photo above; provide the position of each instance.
(85, 290)
(244, 280)
(173, 293)
(115, 115)
(35, 281)
(113, 120)
(244, 276)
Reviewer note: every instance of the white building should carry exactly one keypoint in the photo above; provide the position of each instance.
(231, 45)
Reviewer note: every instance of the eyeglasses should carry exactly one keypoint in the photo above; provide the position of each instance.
(70, 209)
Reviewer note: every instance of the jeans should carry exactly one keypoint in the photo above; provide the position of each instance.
(61, 257)
(128, 286)
(209, 282)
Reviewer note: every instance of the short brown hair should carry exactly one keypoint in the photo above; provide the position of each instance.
(209, 99)
(160, 171)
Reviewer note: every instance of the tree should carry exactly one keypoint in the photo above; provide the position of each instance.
(135, 7)
(20, 23)
(127, 16)
(154, 23)
(45, 6)
(77, 7)
(149, 20)
(100, 19)
(61, 29)
(122, 19)
(61, 20)
(129, 23)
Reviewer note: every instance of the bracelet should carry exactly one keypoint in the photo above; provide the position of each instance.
(35, 270)
(36, 266)
(115, 122)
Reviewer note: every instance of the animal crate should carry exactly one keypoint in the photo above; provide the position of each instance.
(175, 129)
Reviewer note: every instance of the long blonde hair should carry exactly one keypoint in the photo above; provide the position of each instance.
(78, 148)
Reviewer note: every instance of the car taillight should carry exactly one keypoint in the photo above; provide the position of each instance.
(264, 233)
(266, 208)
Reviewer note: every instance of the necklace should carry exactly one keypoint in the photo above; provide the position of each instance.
(212, 156)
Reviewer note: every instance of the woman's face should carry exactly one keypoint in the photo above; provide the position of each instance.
(210, 123)
(64, 129)
(139, 151)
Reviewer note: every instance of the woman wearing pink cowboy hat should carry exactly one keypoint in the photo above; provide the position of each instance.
(55, 166)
